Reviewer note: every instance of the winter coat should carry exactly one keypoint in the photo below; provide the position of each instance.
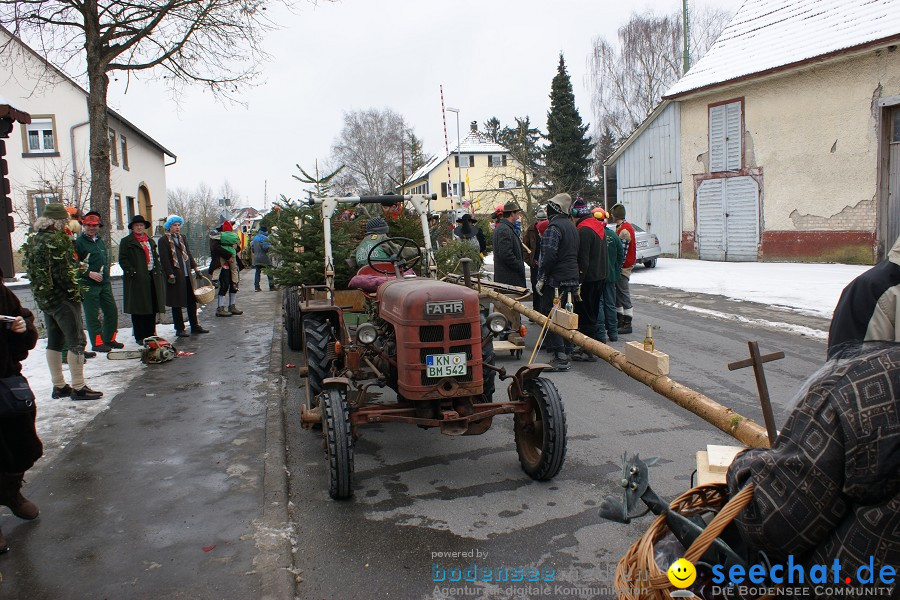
(593, 253)
(559, 253)
(260, 247)
(20, 446)
(616, 256)
(509, 265)
(829, 489)
(532, 241)
(176, 293)
(93, 252)
(869, 308)
(137, 281)
(626, 233)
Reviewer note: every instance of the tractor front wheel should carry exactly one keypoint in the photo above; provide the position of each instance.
(541, 433)
(292, 318)
(338, 443)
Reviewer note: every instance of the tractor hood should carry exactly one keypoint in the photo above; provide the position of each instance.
(425, 300)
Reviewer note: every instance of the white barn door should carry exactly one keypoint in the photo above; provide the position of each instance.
(728, 219)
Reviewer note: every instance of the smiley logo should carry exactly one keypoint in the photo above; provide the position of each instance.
(682, 573)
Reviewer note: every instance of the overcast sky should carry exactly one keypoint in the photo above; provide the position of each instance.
(493, 58)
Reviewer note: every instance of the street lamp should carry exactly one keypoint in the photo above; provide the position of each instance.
(458, 157)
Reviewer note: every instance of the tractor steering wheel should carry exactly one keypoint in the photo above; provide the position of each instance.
(399, 263)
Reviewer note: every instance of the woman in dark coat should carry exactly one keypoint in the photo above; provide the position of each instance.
(177, 262)
(141, 279)
(509, 263)
(20, 446)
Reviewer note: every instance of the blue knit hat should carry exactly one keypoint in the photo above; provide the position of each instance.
(376, 225)
(172, 220)
(580, 208)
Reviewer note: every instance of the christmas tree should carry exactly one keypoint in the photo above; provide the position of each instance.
(568, 153)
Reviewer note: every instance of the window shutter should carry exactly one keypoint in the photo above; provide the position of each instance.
(456, 161)
(717, 139)
(463, 188)
(733, 136)
(504, 160)
(444, 189)
(501, 185)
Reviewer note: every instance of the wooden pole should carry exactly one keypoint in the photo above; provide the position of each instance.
(756, 361)
(741, 428)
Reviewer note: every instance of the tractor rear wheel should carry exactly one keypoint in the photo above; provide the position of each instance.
(292, 318)
(541, 442)
(338, 443)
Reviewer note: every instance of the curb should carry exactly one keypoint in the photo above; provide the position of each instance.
(275, 559)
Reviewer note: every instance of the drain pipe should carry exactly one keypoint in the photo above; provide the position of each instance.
(74, 162)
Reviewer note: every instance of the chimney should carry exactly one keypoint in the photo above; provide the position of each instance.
(474, 126)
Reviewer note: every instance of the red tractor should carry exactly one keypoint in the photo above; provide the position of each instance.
(429, 341)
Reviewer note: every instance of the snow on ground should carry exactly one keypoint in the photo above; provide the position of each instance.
(811, 289)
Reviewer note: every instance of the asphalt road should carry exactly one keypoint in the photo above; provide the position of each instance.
(420, 496)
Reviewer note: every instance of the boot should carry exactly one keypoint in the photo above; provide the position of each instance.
(62, 392)
(625, 327)
(222, 312)
(560, 362)
(620, 320)
(233, 309)
(199, 329)
(86, 393)
(11, 496)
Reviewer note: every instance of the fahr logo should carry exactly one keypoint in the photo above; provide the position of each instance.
(452, 307)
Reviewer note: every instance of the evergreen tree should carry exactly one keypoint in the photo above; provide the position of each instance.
(569, 149)
(323, 185)
(524, 144)
(492, 129)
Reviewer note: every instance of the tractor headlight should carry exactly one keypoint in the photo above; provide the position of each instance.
(366, 334)
(497, 322)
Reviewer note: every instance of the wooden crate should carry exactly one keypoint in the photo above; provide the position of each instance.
(655, 362)
(563, 318)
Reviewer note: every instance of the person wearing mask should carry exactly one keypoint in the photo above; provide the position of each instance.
(177, 262)
(593, 265)
(869, 307)
(623, 292)
(142, 279)
(98, 295)
(509, 263)
(260, 247)
(20, 446)
(56, 285)
(223, 246)
(558, 272)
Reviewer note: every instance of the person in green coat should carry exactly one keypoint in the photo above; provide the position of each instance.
(616, 254)
(98, 295)
(142, 281)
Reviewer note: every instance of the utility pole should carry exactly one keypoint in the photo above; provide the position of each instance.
(686, 30)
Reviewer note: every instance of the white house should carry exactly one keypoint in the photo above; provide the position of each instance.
(48, 158)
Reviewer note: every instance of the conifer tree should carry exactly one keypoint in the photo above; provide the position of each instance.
(568, 153)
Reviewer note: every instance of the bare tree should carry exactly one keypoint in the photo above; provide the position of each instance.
(526, 167)
(198, 206)
(628, 79)
(214, 43)
(371, 148)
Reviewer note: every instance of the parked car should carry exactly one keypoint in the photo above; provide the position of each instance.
(646, 247)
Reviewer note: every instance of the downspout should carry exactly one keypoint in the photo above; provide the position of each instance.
(74, 163)
(171, 163)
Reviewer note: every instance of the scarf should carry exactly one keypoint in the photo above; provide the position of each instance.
(177, 248)
(144, 241)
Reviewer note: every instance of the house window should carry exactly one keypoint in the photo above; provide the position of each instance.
(467, 161)
(124, 152)
(725, 144)
(896, 136)
(496, 160)
(506, 184)
(113, 151)
(38, 199)
(129, 207)
(117, 200)
(40, 136)
(454, 188)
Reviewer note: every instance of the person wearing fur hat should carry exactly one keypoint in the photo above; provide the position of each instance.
(98, 295)
(377, 232)
(532, 241)
(623, 292)
(177, 262)
(593, 265)
(509, 262)
(57, 289)
(558, 271)
(223, 247)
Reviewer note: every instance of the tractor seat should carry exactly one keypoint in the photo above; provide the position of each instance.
(368, 279)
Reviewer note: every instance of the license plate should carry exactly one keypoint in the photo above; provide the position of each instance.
(641, 244)
(445, 365)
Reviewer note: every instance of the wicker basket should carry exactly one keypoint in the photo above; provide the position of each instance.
(205, 293)
(654, 584)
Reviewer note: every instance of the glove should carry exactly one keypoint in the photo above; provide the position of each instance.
(171, 278)
(539, 286)
(578, 294)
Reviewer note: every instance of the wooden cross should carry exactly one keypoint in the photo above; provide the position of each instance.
(756, 361)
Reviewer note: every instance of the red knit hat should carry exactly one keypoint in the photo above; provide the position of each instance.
(226, 226)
